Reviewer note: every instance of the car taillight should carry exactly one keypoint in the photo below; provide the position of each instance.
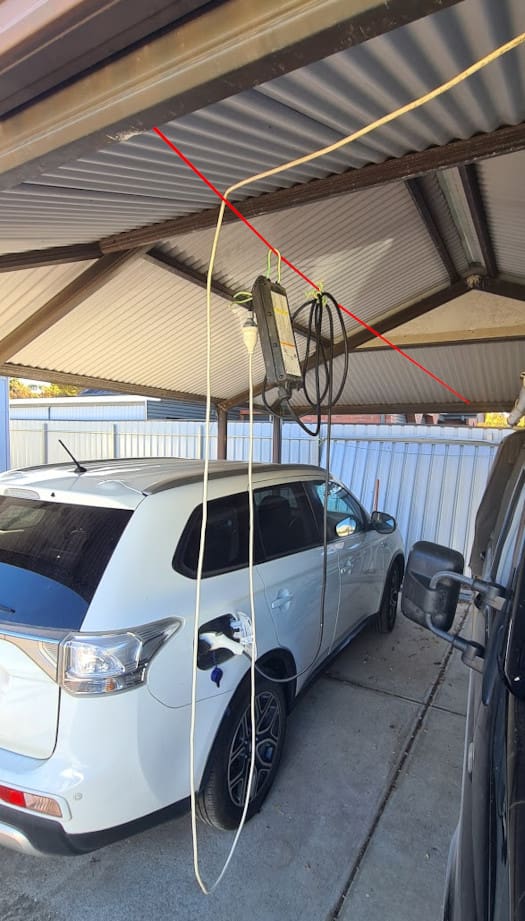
(34, 801)
(110, 662)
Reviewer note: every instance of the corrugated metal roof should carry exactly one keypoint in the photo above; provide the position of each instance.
(370, 250)
(140, 180)
(146, 327)
(22, 293)
(483, 372)
(503, 187)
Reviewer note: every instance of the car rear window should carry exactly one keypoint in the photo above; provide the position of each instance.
(52, 556)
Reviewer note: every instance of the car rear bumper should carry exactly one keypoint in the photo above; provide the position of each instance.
(38, 837)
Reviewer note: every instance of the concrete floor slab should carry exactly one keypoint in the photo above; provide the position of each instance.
(404, 662)
(403, 872)
(334, 806)
(452, 693)
(293, 859)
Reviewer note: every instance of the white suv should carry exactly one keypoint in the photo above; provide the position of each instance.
(97, 600)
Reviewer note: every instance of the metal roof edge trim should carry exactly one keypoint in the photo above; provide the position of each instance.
(190, 67)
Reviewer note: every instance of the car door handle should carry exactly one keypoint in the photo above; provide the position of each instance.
(346, 566)
(283, 598)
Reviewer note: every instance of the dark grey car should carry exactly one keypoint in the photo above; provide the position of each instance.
(486, 871)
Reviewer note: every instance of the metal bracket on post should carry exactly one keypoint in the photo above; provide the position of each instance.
(472, 653)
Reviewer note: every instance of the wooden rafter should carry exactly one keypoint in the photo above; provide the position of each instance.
(470, 182)
(424, 209)
(12, 369)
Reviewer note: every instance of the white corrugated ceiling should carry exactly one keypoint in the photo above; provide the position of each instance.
(380, 251)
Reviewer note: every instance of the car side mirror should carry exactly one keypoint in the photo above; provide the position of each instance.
(383, 523)
(433, 579)
(419, 601)
(346, 527)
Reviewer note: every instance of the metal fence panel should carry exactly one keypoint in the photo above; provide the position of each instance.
(164, 439)
(86, 442)
(430, 478)
(28, 443)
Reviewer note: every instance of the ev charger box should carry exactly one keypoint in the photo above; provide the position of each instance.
(276, 334)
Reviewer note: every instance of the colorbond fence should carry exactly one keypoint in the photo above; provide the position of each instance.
(430, 478)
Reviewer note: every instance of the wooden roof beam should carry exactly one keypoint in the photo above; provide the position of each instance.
(13, 369)
(471, 187)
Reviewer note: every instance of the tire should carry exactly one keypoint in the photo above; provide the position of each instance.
(222, 795)
(385, 619)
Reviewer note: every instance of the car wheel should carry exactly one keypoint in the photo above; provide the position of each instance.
(223, 791)
(385, 619)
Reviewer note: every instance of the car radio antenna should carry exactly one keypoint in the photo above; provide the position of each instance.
(78, 466)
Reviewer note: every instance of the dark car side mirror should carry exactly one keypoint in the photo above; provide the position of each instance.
(419, 601)
(383, 523)
(433, 579)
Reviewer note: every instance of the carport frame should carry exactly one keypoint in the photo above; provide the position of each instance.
(119, 249)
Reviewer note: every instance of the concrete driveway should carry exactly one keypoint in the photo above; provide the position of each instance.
(357, 825)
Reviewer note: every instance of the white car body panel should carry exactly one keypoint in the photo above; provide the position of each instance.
(112, 758)
(28, 705)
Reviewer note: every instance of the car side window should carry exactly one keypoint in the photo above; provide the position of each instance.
(340, 504)
(285, 521)
(505, 560)
(284, 524)
(226, 544)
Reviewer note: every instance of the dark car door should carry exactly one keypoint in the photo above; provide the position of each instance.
(486, 882)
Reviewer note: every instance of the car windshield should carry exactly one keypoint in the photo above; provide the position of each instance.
(52, 556)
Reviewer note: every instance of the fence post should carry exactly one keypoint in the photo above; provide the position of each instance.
(116, 441)
(277, 440)
(222, 433)
(45, 440)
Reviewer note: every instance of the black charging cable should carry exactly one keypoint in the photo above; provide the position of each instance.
(322, 310)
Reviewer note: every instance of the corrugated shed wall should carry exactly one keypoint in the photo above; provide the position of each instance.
(430, 478)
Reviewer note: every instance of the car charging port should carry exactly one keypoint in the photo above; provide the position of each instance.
(222, 638)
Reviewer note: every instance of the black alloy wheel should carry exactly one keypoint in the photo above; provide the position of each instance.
(224, 788)
(385, 619)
